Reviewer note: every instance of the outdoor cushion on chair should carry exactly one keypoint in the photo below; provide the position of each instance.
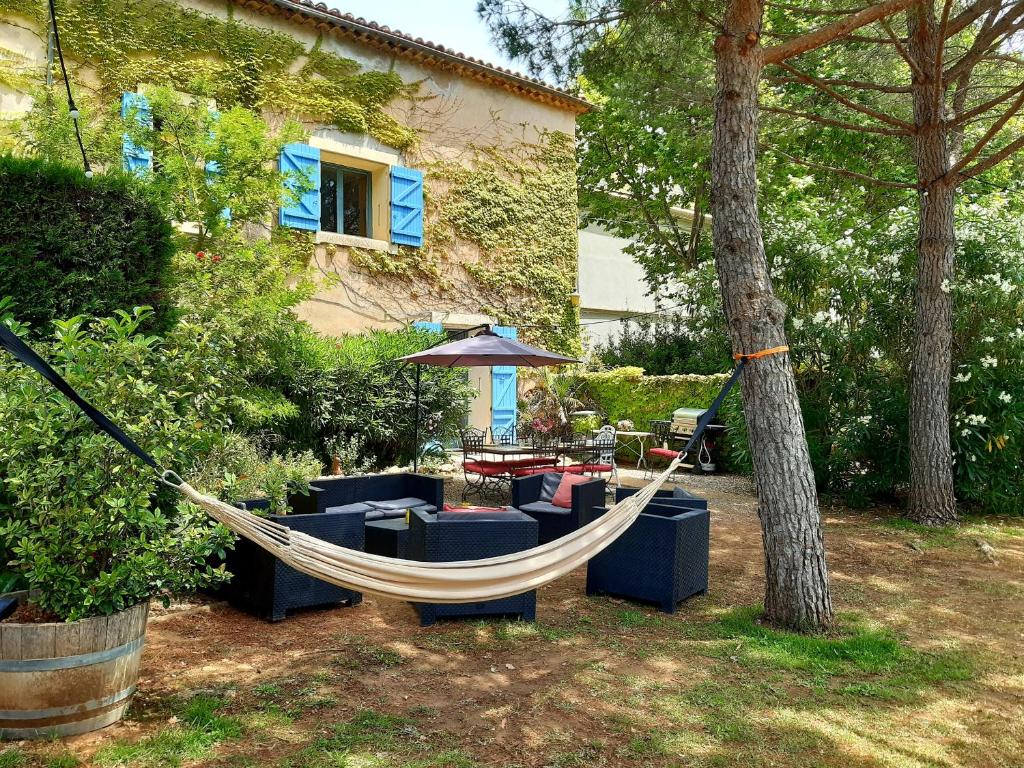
(581, 468)
(490, 469)
(563, 496)
(406, 503)
(667, 453)
(357, 507)
(471, 514)
(549, 485)
(544, 506)
(527, 471)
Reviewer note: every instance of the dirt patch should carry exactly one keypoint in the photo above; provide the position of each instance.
(608, 682)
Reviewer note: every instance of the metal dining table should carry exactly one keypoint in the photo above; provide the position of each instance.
(635, 443)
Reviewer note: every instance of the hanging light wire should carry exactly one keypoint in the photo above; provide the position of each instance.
(72, 108)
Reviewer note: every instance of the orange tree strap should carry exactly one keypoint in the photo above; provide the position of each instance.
(762, 353)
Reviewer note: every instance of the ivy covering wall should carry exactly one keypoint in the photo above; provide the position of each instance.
(128, 42)
(514, 203)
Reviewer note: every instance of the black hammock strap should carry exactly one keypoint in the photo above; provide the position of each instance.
(25, 354)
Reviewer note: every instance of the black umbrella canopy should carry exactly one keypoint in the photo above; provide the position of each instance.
(486, 349)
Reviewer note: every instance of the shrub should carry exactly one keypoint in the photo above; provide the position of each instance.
(626, 393)
(352, 387)
(71, 245)
(83, 521)
(665, 346)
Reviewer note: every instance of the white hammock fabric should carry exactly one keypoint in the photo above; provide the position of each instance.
(464, 581)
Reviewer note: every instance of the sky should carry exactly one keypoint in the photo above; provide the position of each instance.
(451, 23)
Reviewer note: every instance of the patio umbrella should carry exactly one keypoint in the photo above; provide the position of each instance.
(486, 348)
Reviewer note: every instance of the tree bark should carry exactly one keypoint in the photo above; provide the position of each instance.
(932, 499)
(796, 577)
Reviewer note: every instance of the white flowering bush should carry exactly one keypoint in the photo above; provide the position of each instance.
(847, 279)
(988, 379)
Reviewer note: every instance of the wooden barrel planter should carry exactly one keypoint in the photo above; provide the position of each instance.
(68, 678)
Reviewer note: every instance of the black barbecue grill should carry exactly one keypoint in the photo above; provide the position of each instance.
(681, 428)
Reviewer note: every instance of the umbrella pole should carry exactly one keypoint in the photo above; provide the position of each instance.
(416, 429)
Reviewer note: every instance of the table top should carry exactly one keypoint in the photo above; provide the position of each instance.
(627, 433)
(514, 450)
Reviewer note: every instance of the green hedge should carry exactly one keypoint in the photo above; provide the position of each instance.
(626, 393)
(71, 245)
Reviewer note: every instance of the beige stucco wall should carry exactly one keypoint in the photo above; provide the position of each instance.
(450, 113)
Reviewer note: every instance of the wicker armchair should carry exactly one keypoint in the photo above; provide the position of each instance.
(662, 558)
(263, 585)
(450, 536)
(556, 522)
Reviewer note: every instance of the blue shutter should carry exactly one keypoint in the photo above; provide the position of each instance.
(212, 168)
(136, 159)
(300, 163)
(503, 390)
(423, 325)
(406, 206)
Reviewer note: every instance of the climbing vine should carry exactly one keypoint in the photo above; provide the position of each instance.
(500, 224)
(125, 43)
(517, 206)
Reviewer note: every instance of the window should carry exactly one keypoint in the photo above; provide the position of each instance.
(345, 200)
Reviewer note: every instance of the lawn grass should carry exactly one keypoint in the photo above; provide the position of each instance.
(199, 729)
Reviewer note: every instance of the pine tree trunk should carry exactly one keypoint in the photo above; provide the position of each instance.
(796, 589)
(932, 499)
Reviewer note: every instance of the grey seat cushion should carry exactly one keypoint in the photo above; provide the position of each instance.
(357, 507)
(546, 507)
(409, 502)
(391, 514)
(377, 514)
(509, 514)
(549, 485)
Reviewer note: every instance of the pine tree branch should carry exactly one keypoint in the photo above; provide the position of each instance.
(990, 134)
(991, 160)
(858, 84)
(969, 15)
(857, 107)
(844, 172)
(805, 11)
(974, 112)
(989, 39)
(902, 49)
(837, 123)
(836, 29)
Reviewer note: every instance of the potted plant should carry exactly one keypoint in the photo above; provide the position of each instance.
(86, 528)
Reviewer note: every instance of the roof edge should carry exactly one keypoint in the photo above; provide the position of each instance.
(395, 40)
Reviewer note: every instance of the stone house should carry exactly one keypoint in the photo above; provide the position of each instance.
(443, 190)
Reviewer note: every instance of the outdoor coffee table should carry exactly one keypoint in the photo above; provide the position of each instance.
(389, 538)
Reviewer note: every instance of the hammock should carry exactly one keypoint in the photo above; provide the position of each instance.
(466, 581)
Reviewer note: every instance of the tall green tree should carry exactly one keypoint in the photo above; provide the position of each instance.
(796, 589)
(944, 89)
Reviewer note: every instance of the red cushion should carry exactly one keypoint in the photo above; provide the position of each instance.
(486, 468)
(572, 469)
(536, 462)
(540, 461)
(597, 467)
(667, 453)
(527, 471)
(450, 508)
(563, 496)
